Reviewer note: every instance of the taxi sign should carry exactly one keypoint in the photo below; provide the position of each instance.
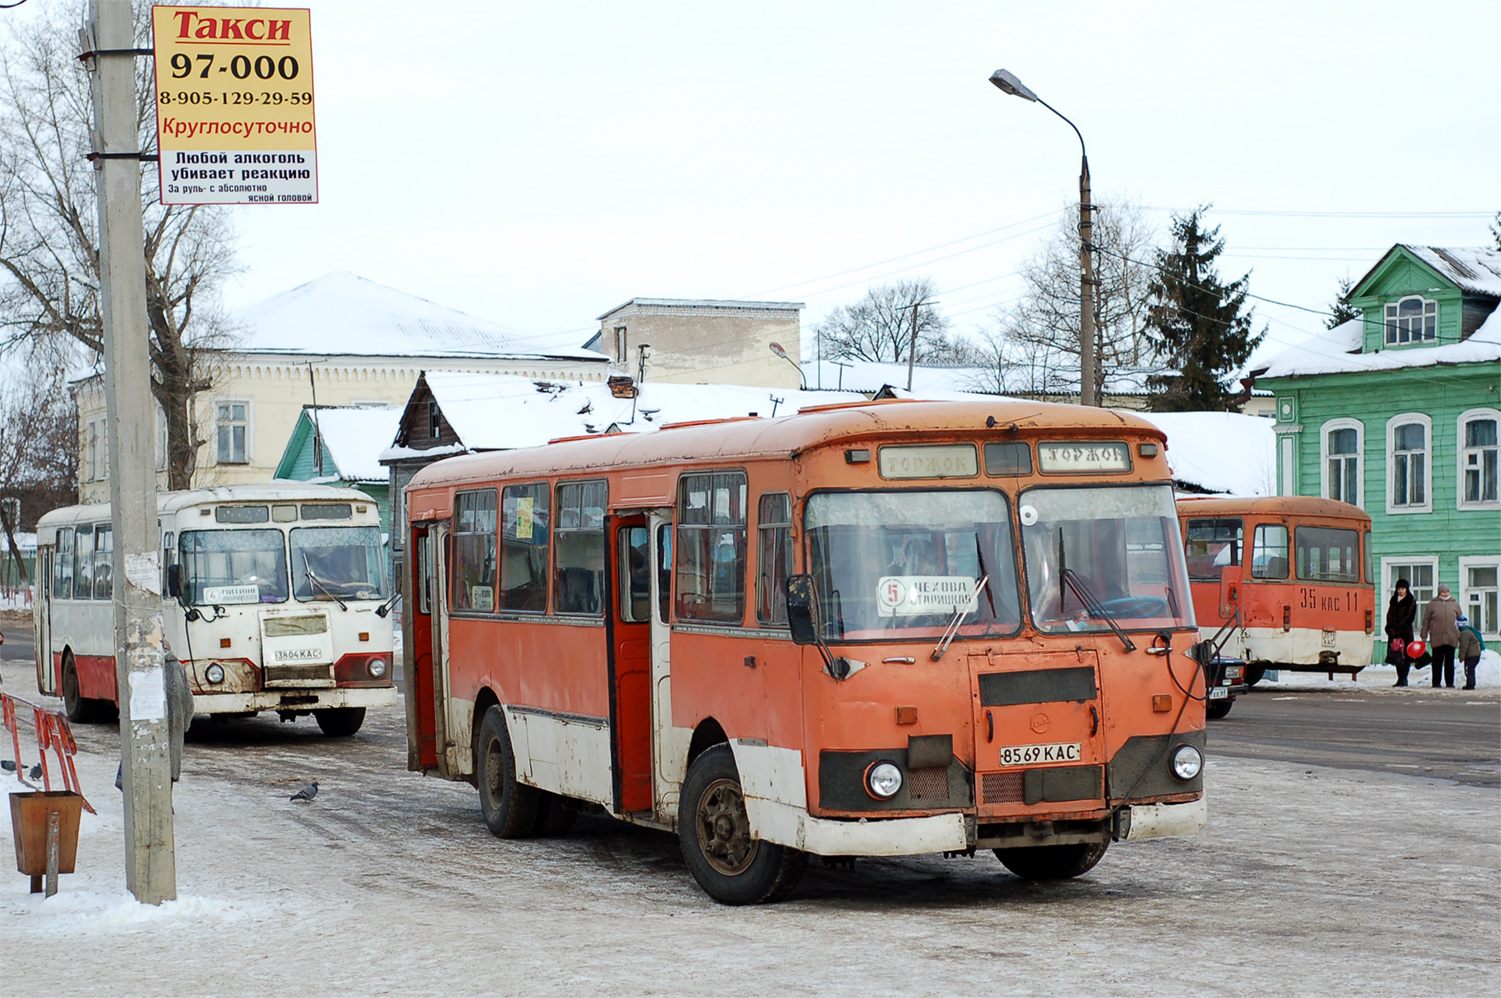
(234, 105)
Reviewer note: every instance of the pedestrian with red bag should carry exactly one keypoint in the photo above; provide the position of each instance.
(1401, 614)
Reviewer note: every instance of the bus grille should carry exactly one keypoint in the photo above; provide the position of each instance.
(1001, 788)
(928, 783)
(299, 675)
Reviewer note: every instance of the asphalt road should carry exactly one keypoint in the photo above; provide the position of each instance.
(1419, 731)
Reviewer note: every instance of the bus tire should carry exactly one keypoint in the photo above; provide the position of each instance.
(339, 722)
(508, 806)
(554, 817)
(1052, 862)
(1255, 674)
(79, 709)
(1219, 708)
(714, 831)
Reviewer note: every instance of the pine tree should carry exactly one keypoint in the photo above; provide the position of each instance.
(1196, 322)
(1496, 230)
(1340, 310)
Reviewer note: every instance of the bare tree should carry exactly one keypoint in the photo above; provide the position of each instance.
(1045, 320)
(878, 327)
(49, 240)
(38, 441)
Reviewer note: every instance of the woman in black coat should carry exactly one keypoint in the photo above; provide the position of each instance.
(1401, 613)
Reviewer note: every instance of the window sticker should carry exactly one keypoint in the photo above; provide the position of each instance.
(524, 519)
(912, 595)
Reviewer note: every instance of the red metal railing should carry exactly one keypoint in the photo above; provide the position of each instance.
(52, 732)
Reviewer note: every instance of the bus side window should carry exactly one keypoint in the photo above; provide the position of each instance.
(62, 569)
(579, 548)
(474, 551)
(169, 558)
(1211, 546)
(83, 563)
(773, 557)
(104, 564)
(1269, 552)
(424, 574)
(710, 574)
(524, 533)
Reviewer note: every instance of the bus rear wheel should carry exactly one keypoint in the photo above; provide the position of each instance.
(1052, 862)
(509, 807)
(1255, 674)
(340, 722)
(714, 831)
(80, 709)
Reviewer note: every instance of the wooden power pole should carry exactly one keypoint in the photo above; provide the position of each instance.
(150, 861)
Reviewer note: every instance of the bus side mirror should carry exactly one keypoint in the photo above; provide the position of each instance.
(174, 581)
(1229, 589)
(800, 609)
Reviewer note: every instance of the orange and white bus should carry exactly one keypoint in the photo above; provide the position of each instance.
(1303, 599)
(870, 629)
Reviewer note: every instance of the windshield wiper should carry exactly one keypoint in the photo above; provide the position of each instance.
(313, 578)
(959, 615)
(1091, 602)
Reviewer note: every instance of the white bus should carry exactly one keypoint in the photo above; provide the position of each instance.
(274, 597)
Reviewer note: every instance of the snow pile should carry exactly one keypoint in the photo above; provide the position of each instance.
(1223, 452)
(86, 912)
(1487, 675)
(343, 313)
(18, 598)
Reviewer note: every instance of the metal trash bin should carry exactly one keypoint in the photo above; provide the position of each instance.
(31, 822)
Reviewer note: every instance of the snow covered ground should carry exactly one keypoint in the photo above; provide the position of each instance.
(1307, 881)
(1378, 677)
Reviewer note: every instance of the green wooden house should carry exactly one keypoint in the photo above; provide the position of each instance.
(343, 448)
(1397, 412)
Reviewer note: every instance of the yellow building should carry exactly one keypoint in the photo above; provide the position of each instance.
(340, 340)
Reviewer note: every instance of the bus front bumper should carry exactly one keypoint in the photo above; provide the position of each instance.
(294, 699)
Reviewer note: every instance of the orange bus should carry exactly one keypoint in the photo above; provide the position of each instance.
(871, 629)
(1308, 601)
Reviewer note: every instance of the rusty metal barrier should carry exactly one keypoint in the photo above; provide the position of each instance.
(52, 732)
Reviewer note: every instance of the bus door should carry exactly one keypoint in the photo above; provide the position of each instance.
(42, 619)
(422, 710)
(452, 757)
(630, 654)
(669, 744)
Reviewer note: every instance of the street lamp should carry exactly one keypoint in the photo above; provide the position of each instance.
(1008, 83)
(776, 348)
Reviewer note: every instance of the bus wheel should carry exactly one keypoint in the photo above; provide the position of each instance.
(80, 709)
(1052, 862)
(1219, 708)
(553, 816)
(1255, 674)
(509, 807)
(714, 831)
(340, 722)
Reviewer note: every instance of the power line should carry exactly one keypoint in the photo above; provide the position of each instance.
(1331, 214)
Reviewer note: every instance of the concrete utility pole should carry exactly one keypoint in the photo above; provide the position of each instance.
(1007, 82)
(150, 861)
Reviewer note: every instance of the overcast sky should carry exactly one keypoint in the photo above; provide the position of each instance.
(538, 164)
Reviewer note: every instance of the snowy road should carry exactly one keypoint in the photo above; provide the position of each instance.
(1323, 881)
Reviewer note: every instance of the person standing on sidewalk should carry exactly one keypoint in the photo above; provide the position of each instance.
(1470, 647)
(1441, 631)
(1401, 614)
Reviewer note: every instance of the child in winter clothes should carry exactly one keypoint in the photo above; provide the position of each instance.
(1470, 647)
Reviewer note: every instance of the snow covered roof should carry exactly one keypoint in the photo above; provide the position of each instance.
(343, 313)
(763, 306)
(1220, 451)
(503, 411)
(1475, 269)
(1336, 351)
(355, 437)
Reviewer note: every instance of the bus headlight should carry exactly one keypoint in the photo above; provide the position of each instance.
(1185, 762)
(214, 673)
(376, 667)
(883, 780)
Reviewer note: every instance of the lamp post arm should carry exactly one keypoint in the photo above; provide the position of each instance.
(1082, 151)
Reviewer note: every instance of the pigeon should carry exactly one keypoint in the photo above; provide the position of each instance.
(9, 765)
(307, 793)
(36, 772)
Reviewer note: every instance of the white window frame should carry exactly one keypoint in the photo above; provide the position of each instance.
(91, 450)
(1467, 562)
(249, 405)
(1389, 577)
(1324, 457)
(1391, 331)
(1287, 463)
(1426, 506)
(1463, 456)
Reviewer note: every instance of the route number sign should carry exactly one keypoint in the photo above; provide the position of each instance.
(234, 105)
